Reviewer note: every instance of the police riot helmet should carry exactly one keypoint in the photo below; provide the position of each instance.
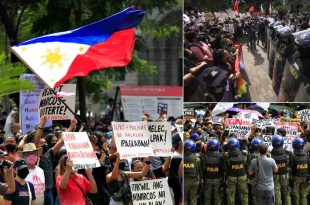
(277, 141)
(285, 32)
(190, 146)
(255, 143)
(195, 136)
(233, 143)
(303, 39)
(213, 145)
(298, 143)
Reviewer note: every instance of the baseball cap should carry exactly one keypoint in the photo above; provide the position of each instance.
(20, 164)
(175, 140)
(214, 76)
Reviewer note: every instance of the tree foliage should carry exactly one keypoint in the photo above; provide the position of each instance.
(9, 79)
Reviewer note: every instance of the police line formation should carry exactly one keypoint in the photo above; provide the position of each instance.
(221, 173)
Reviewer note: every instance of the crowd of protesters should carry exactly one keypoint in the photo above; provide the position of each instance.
(221, 168)
(44, 174)
(210, 48)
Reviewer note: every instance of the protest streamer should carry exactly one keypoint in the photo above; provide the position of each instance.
(52, 107)
(305, 115)
(160, 138)
(151, 192)
(238, 126)
(132, 139)
(80, 150)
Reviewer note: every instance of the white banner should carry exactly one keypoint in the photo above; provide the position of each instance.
(132, 139)
(80, 150)
(51, 107)
(160, 137)
(151, 192)
(305, 115)
(291, 129)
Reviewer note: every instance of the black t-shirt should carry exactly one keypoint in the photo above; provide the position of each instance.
(21, 194)
(47, 166)
(174, 166)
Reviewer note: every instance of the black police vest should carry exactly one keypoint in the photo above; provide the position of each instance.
(190, 165)
(212, 170)
(300, 164)
(236, 164)
(281, 158)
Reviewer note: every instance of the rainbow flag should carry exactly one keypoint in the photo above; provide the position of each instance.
(241, 86)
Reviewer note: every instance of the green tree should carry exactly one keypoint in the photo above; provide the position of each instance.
(9, 79)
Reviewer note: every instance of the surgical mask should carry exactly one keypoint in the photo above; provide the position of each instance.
(22, 173)
(10, 147)
(31, 159)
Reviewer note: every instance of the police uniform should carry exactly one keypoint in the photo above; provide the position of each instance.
(281, 179)
(301, 187)
(236, 172)
(252, 156)
(213, 176)
(192, 175)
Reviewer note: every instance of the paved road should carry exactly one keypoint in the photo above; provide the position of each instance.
(256, 75)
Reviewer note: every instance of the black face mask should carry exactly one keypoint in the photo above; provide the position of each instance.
(22, 173)
(122, 166)
(98, 155)
(52, 145)
(45, 148)
(10, 148)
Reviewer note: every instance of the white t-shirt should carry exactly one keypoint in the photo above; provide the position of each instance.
(36, 177)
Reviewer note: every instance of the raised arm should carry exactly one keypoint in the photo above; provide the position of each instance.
(72, 125)
(64, 181)
(113, 175)
(10, 180)
(39, 132)
(93, 185)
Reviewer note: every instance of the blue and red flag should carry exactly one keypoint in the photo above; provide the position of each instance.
(58, 57)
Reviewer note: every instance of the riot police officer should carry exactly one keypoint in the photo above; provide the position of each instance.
(192, 173)
(213, 172)
(236, 172)
(281, 179)
(299, 166)
(254, 153)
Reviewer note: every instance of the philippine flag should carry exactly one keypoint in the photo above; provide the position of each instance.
(58, 57)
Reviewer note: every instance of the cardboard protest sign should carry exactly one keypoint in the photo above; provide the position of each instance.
(229, 28)
(304, 114)
(291, 129)
(28, 105)
(132, 139)
(238, 126)
(51, 107)
(80, 150)
(160, 138)
(262, 123)
(151, 192)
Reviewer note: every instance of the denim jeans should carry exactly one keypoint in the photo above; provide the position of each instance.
(48, 197)
(265, 197)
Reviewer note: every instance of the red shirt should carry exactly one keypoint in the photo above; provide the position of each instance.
(72, 194)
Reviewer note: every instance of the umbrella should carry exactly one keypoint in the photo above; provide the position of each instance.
(234, 109)
(252, 111)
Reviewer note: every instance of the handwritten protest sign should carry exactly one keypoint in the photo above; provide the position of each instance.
(263, 123)
(51, 107)
(80, 150)
(132, 139)
(291, 129)
(238, 126)
(160, 138)
(305, 115)
(151, 192)
(28, 105)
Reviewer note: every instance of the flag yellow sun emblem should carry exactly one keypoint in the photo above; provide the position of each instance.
(54, 58)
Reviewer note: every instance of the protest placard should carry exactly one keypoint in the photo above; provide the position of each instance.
(28, 105)
(291, 129)
(189, 113)
(51, 106)
(132, 139)
(305, 115)
(217, 120)
(229, 28)
(262, 123)
(238, 126)
(160, 138)
(151, 192)
(80, 150)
